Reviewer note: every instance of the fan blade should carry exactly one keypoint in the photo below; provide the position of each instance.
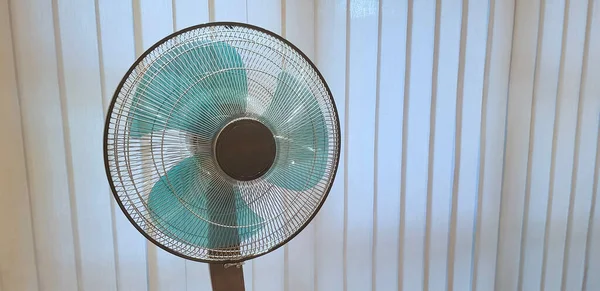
(191, 205)
(192, 87)
(302, 136)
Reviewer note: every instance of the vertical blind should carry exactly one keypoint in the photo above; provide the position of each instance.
(470, 155)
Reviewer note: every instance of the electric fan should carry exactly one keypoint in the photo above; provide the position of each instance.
(221, 144)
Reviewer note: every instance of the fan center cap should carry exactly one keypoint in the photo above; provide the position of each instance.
(245, 149)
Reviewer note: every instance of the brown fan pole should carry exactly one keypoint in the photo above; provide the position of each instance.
(226, 277)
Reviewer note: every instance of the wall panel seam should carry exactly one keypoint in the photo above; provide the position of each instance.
(316, 224)
(554, 142)
(460, 91)
(431, 155)
(104, 111)
(346, 134)
(576, 149)
(22, 131)
(482, 143)
(66, 141)
(376, 150)
(508, 85)
(174, 14)
(406, 106)
(591, 220)
(529, 169)
(211, 10)
(286, 256)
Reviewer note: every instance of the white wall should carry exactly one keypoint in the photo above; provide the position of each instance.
(470, 145)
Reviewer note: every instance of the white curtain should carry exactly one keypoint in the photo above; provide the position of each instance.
(470, 145)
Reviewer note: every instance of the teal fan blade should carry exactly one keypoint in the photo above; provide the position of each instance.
(193, 87)
(185, 199)
(302, 135)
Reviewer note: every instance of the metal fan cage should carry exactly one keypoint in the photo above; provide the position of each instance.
(134, 165)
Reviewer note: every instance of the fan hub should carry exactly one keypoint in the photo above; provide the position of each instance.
(245, 149)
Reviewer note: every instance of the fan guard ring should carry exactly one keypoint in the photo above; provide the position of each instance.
(156, 132)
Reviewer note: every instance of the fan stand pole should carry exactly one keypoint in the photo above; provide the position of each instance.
(227, 277)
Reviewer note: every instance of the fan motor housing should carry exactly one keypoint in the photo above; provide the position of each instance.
(245, 149)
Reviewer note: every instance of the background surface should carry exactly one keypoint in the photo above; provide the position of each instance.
(470, 134)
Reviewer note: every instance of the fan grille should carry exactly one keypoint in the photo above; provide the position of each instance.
(136, 161)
